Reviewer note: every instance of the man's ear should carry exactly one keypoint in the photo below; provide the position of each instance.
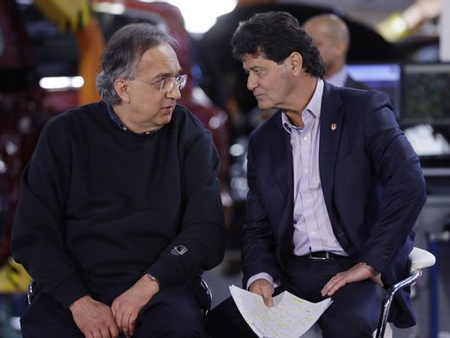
(122, 89)
(295, 63)
(340, 49)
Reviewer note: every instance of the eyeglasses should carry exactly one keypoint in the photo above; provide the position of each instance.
(166, 84)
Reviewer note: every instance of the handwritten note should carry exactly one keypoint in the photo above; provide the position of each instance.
(290, 316)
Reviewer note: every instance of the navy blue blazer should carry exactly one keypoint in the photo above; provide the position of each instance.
(371, 180)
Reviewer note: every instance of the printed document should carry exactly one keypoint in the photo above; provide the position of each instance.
(290, 316)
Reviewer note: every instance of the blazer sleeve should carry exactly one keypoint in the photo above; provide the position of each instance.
(398, 169)
(258, 241)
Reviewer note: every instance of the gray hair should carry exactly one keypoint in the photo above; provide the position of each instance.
(122, 53)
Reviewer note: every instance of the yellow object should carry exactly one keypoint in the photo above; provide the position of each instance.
(91, 43)
(393, 28)
(13, 277)
(69, 15)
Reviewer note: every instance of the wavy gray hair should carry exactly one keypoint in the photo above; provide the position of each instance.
(122, 53)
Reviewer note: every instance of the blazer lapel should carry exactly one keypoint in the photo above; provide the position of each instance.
(281, 150)
(331, 120)
(282, 156)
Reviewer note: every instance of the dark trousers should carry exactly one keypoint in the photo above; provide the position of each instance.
(173, 312)
(354, 313)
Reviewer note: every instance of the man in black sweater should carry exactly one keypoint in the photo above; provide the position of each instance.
(120, 209)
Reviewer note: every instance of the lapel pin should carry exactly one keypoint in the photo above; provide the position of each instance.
(333, 126)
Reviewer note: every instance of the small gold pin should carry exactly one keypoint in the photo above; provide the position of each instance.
(333, 126)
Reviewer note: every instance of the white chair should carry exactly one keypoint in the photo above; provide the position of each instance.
(420, 259)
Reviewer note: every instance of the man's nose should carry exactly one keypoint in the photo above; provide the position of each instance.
(252, 83)
(174, 93)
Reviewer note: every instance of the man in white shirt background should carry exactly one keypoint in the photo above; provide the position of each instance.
(331, 36)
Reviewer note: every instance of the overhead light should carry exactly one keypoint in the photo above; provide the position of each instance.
(201, 15)
(109, 8)
(61, 82)
(24, 2)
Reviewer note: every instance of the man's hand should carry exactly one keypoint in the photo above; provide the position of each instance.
(94, 319)
(358, 272)
(263, 288)
(127, 306)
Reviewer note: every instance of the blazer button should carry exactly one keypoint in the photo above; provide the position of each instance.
(384, 257)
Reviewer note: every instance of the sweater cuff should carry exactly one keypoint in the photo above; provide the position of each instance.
(69, 290)
(165, 272)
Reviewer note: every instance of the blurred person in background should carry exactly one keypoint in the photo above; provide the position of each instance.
(331, 36)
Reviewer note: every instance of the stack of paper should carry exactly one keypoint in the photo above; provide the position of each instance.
(290, 316)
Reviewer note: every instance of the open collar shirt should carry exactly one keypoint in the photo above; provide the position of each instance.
(312, 226)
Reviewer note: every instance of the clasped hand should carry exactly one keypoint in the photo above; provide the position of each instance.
(98, 320)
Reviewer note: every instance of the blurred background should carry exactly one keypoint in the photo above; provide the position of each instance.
(49, 56)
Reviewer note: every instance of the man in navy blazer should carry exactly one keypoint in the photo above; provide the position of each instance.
(334, 187)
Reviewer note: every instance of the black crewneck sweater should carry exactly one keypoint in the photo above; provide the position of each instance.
(102, 206)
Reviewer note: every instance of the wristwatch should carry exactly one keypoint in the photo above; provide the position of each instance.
(153, 278)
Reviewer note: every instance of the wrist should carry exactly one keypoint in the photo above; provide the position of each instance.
(153, 278)
(79, 302)
(368, 267)
(152, 282)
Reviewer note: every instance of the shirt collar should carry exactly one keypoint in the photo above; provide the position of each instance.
(119, 123)
(338, 79)
(314, 107)
(115, 118)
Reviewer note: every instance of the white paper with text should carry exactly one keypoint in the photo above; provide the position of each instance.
(290, 316)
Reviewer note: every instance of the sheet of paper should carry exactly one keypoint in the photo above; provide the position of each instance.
(290, 316)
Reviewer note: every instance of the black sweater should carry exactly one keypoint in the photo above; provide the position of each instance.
(102, 206)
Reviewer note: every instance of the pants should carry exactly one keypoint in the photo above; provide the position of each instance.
(354, 313)
(173, 312)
